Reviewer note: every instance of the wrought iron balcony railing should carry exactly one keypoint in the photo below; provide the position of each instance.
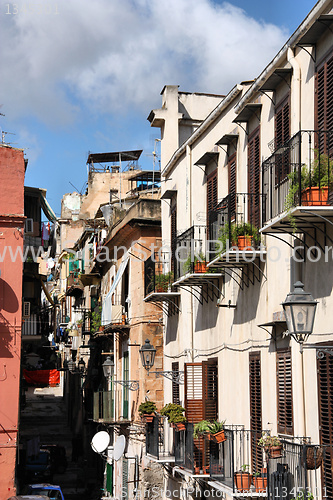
(236, 221)
(190, 251)
(299, 172)
(160, 439)
(158, 274)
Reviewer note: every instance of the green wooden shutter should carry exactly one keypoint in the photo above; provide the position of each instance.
(109, 478)
(124, 494)
(125, 389)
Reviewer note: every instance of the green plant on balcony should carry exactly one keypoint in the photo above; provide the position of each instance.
(234, 232)
(247, 230)
(147, 408)
(303, 495)
(271, 444)
(162, 281)
(194, 262)
(175, 415)
(96, 320)
(201, 428)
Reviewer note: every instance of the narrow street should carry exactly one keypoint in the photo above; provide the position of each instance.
(45, 416)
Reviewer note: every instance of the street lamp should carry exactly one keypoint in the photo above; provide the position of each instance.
(147, 353)
(81, 366)
(108, 369)
(71, 366)
(299, 308)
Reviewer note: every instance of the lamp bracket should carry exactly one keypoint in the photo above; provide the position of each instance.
(132, 385)
(324, 350)
(176, 376)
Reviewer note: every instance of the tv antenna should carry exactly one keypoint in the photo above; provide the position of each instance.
(3, 136)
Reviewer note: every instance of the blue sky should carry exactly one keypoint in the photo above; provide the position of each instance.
(83, 76)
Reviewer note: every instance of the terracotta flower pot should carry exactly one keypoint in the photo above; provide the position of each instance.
(260, 484)
(219, 437)
(275, 452)
(147, 417)
(243, 481)
(244, 242)
(200, 267)
(179, 426)
(315, 196)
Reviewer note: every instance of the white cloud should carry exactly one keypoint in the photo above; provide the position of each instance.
(108, 55)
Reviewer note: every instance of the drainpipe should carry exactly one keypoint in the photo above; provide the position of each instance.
(295, 91)
(189, 169)
(296, 123)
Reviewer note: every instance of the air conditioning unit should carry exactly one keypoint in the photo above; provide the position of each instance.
(26, 309)
(29, 226)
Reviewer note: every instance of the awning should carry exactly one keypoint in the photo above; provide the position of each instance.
(207, 158)
(227, 139)
(47, 209)
(317, 29)
(107, 302)
(278, 76)
(250, 110)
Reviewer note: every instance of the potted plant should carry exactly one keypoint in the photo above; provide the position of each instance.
(147, 411)
(260, 481)
(202, 428)
(96, 320)
(318, 181)
(217, 431)
(175, 415)
(227, 234)
(246, 234)
(198, 264)
(243, 478)
(271, 444)
(163, 281)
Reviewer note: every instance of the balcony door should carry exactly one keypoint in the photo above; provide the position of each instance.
(201, 401)
(253, 175)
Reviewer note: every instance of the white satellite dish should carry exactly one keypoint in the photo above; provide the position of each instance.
(119, 447)
(100, 441)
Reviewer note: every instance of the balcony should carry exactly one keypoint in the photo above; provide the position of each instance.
(234, 236)
(159, 440)
(218, 462)
(297, 180)
(191, 257)
(111, 406)
(74, 284)
(158, 280)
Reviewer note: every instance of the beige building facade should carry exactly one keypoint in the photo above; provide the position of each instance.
(250, 169)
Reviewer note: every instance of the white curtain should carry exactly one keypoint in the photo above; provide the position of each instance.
(107, 302)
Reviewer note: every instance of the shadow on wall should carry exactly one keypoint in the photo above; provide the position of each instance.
(9, 303)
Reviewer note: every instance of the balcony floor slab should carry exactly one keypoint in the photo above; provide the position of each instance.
(305, 218)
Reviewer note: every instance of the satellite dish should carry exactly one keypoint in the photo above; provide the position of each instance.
(119, 448)
(100, 441)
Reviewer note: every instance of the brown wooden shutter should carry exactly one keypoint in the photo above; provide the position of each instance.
(282, 135)
(175, 386)
(232, 183)
(193, 392)
(254, 177)
(325, 395)
(284, 392)
(210, 389)
(255, 410)
(211, 193)
(324, 104)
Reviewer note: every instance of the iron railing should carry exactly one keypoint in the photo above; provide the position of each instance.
(237, 215)
(190, 251)
(295, 168)
(304, 471)
(159, 438)
(158, 275)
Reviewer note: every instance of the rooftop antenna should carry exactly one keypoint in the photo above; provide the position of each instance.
(3, 134)
(154, 160)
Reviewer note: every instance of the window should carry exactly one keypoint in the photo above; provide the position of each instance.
(211, 204)
(284, 392)
(282, 135)
(254, 177)
(173, 232)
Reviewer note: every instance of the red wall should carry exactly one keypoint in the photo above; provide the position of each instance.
(11, 234)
